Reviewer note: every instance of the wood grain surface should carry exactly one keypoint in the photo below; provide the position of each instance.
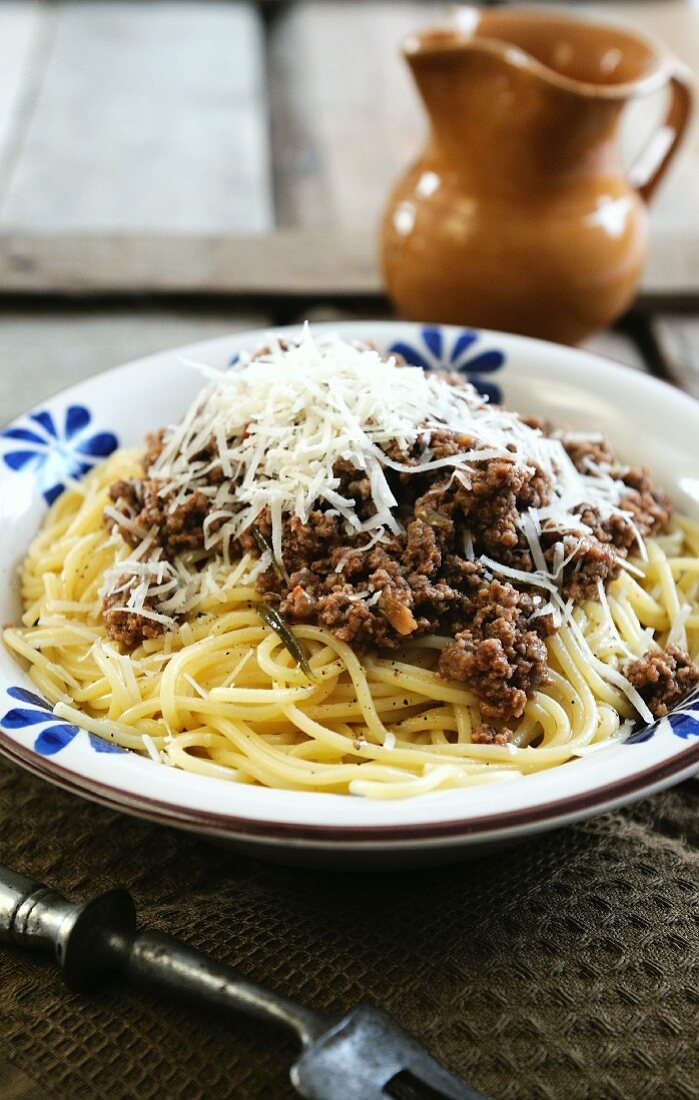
(346, 117)
(287, 262)
(675, 211)
(216, 147)
(618, 346)
(677, 339)
(143, 116)
(20, 38)
(44, 350)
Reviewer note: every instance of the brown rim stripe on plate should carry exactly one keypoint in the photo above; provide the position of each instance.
(170, 813)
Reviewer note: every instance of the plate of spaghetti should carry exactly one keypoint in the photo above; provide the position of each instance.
(368, 593)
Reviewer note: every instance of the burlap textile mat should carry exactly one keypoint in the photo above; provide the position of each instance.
(565, 967)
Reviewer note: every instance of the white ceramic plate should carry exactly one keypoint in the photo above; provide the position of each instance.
(648, 422)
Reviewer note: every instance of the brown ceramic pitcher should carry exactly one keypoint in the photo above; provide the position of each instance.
(519, 215)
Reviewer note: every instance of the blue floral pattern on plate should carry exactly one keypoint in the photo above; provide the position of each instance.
(52, 734)
(435, 350)
(684, 722)
(56, 454)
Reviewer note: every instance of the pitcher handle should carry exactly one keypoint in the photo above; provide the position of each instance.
(654, 159)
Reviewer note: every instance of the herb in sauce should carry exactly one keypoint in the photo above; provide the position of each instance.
(274, 620)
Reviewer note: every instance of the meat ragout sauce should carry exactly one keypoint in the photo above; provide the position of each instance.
(429, 579)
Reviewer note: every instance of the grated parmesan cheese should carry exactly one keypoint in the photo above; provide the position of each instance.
(276, 426)
(281, 422)
(150, 747)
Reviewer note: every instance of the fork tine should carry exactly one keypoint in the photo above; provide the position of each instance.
(368, 1056)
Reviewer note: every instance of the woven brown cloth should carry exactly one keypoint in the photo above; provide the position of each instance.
(566, 967)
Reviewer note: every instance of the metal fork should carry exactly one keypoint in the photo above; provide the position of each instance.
(365, 1055)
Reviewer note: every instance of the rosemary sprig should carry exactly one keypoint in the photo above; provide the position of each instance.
(274, 620)
(264, 547)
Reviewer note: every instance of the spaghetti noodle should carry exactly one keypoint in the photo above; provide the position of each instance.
(219, 695)
(341, 573)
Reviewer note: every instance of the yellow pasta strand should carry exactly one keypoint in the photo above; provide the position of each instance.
(221, 696)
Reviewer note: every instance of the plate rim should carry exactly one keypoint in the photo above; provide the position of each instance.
(646, 379)
(499, 824)
(549, 814)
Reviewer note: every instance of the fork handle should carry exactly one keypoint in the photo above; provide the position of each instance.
(162, 962)
(97, 938)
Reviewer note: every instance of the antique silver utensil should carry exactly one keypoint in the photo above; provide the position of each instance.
(364, 1056)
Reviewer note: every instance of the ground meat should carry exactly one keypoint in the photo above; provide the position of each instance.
(350, 619)
(538, 422)
(597, 555)
(491, 735)
(155, 443)
(127, 499)
(394, 604)
(446, 444)
(663, 678)
(650, 507)
(422, 553)
(354, 485)
(500, 655)
(492, 497)
(175, 526)
(588, 454)
(127, 627)
(426, 578)
(615, 529)
(588, 561)
(178, 527)
(183, 526)
(308, 544)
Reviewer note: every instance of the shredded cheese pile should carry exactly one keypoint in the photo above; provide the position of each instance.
(276, 424)
(281, 422)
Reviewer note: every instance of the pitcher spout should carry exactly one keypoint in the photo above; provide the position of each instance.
(513, 94)
(583, 57)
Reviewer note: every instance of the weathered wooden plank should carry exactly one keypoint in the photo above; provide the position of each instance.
(148, 116)
(42, 351)
(619, 346)
(20, 25)
(672, 272)
(677, 339)
(318, 263)
(345, 116)
(346, 119)
(286, 263)
(671, 276)
(674, 213)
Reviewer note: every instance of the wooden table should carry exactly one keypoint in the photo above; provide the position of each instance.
(171, 171)
(174, 171)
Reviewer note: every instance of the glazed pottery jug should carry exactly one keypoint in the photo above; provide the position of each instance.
(519, 215)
